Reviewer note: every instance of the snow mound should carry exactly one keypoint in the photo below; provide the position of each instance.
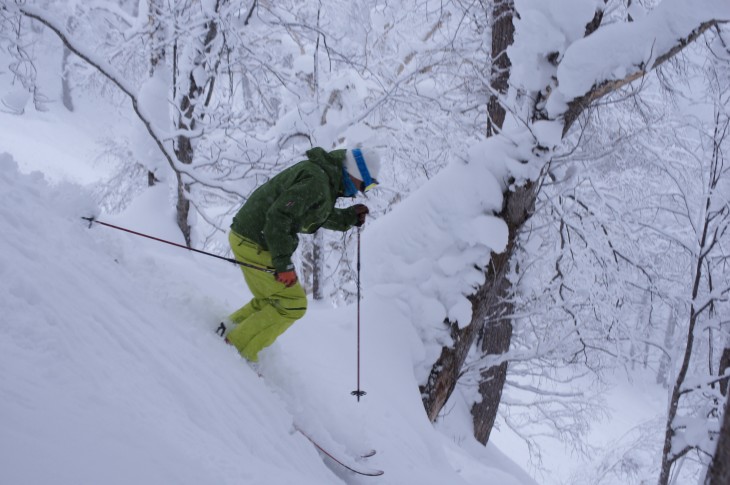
(100, 383)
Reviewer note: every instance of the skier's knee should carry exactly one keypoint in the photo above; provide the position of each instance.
(297, 312)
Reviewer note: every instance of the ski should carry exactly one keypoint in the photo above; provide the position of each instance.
(355, 468)
(368, 454)
(352, 467)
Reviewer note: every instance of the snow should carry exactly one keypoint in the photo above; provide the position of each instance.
(152, 97)
(425, 254)
(154, 105)
(15, 100)
(112, 372)
(544, 28)
(99, 384)
(39, 145)
(548, 132)
(558, 26)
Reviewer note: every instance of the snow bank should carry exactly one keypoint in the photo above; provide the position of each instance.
(102, 382)
(424, 258)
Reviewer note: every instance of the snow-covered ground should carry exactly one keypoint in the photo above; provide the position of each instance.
(111, 371)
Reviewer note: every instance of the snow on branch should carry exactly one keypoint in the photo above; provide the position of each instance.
(101, 65)
(572, 66)
(113, 75)
(597, 91)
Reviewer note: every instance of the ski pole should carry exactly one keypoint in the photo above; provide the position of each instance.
(230, 260)
(358, 392)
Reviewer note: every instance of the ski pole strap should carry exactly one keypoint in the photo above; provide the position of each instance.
(230, 260)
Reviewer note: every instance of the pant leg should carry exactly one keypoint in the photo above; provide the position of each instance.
(248, 252)
(274, 307)
(253, 306)
(262, 328)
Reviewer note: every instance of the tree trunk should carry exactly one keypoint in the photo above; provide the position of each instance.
(488, 322)
(724, 365)
(494, 308)
(157, 56)
(66, 97)
(184, 152)
(491, 304)
(66, 89)
(503, 32)
(188, 117)
(719, 471)
(318, 278)
(446, 371)
(662, 376)
(669, 457)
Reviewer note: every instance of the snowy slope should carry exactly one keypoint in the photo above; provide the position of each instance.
(111, 372)
(106, 378)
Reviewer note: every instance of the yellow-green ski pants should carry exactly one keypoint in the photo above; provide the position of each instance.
(274, 307)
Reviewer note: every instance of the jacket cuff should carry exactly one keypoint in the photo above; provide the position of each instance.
(282, 265)
(353, 216)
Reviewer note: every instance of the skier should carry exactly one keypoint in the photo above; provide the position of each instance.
(300, 199)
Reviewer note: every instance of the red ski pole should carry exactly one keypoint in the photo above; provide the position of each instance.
(230, 260)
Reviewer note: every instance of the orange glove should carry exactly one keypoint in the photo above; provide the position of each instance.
(288, 278)
(361, 210)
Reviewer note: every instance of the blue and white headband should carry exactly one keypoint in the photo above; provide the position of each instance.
(368, 182)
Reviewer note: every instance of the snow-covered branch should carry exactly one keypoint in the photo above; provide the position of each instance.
(109, 72)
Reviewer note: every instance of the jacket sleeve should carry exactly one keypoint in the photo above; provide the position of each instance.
(284, 221)
(341, 219)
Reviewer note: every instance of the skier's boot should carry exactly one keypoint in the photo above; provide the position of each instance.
(224, 327)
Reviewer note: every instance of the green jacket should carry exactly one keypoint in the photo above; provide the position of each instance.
(300, 199)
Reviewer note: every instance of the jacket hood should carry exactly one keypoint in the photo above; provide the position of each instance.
(331, 163)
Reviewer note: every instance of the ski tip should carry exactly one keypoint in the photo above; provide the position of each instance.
(355, 468)
(368, 454)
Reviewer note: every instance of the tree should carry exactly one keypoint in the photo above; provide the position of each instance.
(489, 300)
(196, 73)
(719, 471)
(191, 100)
(707, 218)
